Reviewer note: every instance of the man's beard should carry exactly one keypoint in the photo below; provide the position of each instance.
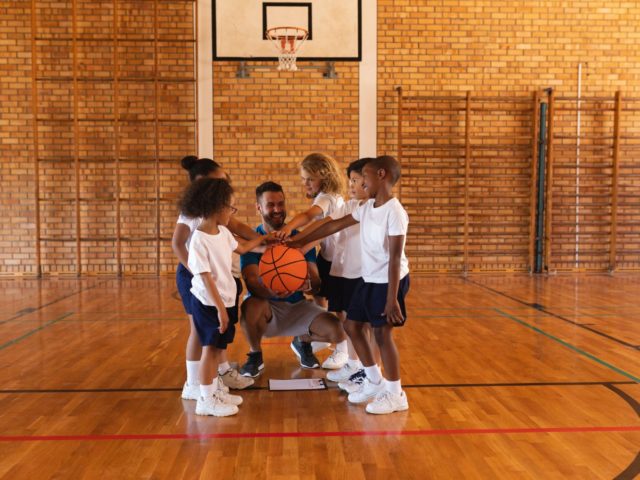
(276, 222)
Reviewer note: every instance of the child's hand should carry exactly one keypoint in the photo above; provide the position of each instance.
(393, 313)
(283, 234)
(293, 243)
(269, 238)
(223, 318)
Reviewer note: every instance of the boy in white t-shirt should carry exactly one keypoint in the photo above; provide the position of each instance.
(379, 301)
(213, 304)
(345, 275)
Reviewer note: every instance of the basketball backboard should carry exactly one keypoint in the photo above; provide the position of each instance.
(334, 26)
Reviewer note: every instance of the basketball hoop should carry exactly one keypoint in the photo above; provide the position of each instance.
(287, 41)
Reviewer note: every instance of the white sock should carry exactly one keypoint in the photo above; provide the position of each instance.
(207, 391)
(373, 374)
(192, 372)
(354, 363)
(342, 347)
(223, 368)
(394, 387)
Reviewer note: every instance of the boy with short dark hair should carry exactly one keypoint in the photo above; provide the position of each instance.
(379, 301)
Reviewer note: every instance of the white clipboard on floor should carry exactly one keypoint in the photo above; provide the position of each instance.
(297, 384)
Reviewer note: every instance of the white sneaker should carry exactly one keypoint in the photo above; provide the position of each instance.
(367, 391)
(317, 346)
(215, 406)
(226, 397)
(353, 383)
(342, 374)
(335, 361)
(387, 402)
(190, 392)
(234, 380)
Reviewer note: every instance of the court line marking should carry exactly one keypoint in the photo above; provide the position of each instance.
(35, 330)
(358, 433)
(633, 469)
(570, 346)
(332, 388)
(555, 315)
(27, 311)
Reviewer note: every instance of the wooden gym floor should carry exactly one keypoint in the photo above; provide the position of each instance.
(507, 377)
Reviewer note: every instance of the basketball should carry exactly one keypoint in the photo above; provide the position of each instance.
(283, 269)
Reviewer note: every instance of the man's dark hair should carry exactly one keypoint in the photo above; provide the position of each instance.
(268, 187)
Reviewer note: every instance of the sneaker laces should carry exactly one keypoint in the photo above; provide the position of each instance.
(383, 396)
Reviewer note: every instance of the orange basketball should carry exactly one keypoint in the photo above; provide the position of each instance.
(283, 269)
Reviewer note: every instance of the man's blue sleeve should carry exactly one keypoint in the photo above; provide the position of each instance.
(249, 258)
(310, 256)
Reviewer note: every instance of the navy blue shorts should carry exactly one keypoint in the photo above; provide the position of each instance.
(370, 299)
(205, 319)
(183, 282)
(341, 292)
(324, 267)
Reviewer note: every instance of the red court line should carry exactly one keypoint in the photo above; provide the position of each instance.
(373, 433)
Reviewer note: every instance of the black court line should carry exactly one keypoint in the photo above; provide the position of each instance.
(633, 470)
(35, 330)
(27, 311)
(541, 308)
(423, 385)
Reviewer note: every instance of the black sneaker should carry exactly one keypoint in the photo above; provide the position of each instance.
(253, 366)
(304, 352)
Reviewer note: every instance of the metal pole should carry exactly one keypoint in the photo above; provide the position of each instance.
(614, 182)
(549, 186)
(467, 161)
(36, 143)
(534, 178)
(76, 134)
(540, 210)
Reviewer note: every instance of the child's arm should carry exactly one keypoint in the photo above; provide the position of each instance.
(300, 220)
(312, 228)
(223, 317)
(179, 243)
(245, 246)
(392, 308)
(325, 230)
(242, 229)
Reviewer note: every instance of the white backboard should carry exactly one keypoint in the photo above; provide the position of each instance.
(335, 28)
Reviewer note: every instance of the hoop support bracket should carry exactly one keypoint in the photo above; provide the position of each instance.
(328, 69)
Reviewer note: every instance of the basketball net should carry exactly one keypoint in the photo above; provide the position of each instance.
(287, 41)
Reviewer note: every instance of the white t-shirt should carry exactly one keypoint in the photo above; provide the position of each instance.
(328, 203)
(346, 255)
(193, 224)
(376, 225)
(212, 253)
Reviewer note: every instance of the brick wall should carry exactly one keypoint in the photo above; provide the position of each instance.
(115, 103)
(263, 126)
(509, 49)
(130, 115)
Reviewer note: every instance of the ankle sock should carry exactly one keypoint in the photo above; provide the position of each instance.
(223, 368)
(192, 372)
(373, 374)
(394, 387)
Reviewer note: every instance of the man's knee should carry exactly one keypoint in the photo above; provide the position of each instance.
(328, 325)
(254, 310)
